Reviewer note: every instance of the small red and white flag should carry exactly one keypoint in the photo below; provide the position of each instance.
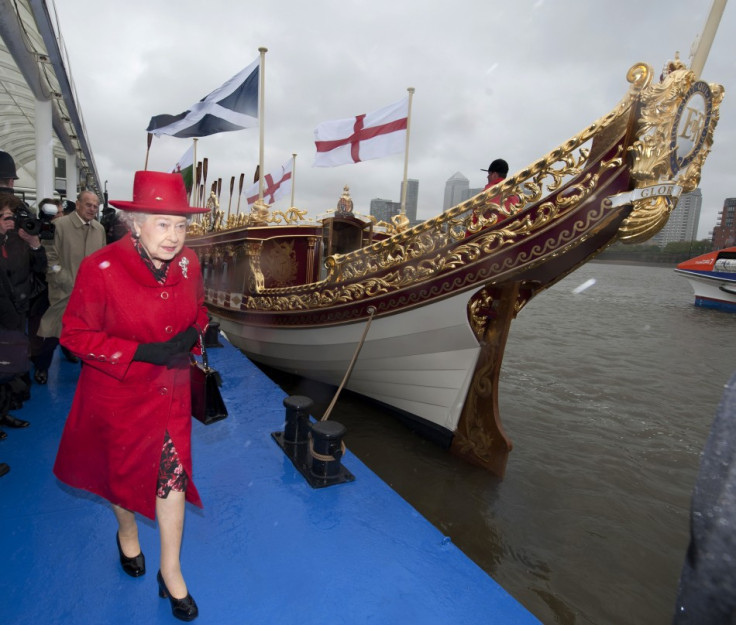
(275, 186)
(361, 138)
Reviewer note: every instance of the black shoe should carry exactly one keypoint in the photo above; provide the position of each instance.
(68, 355)
(184, 609)
(136, 566)
(4, 468)
(41, 376)
(3, 435)
(10, 421)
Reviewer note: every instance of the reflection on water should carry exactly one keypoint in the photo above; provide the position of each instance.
(607, 394)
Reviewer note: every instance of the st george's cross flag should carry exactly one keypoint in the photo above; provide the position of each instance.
(233, 106)
(367, 136)
(185, 167)
(275, 186)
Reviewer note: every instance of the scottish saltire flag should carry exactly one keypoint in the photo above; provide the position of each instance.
(363, 137)
(185, 167)
(233, 106)
(275, 186)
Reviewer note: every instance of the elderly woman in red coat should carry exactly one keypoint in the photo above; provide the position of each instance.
(136, 311)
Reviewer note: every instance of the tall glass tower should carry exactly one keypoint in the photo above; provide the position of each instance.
(683, 222)
(455, 187)
(412, 198)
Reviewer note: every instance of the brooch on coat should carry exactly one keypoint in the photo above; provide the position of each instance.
(184, 264)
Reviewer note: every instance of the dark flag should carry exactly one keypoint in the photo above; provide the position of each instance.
(233, 106)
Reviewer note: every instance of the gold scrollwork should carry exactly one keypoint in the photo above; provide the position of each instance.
(640, 75)
(324, 295)
(653, 149)
(647, 218)
(292, 215)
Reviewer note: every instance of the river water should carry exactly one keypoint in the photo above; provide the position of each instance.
(608, 394)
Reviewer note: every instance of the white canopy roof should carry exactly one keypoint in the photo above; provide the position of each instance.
(34, 65)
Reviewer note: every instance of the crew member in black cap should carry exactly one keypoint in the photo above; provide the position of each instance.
(497, 171)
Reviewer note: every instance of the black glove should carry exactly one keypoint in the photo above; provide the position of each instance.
(187, 338)
(170, 353)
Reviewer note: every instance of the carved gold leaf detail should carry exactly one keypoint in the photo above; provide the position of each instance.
(653, 148)
(292, 215)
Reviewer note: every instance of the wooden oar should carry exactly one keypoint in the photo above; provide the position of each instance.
(230, 202)
(240, 191)
(198, 179)
(204, 178)
(148, 149)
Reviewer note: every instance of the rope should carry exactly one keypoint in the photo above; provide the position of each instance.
(371, 312)
(322, 457)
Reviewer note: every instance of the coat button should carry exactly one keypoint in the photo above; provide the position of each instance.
(163, 390)
(164, 295)
(169, 329)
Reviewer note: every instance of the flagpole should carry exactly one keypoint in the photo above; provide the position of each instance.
(706, 39)
(261, 113)
(293, 177)
(406, 153)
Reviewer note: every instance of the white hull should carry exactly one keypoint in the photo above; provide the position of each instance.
(711, 288)
(419, 361)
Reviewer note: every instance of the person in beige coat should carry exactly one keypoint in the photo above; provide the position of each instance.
(77, 235)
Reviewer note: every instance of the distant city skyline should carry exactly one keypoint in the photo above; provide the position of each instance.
(384, 209)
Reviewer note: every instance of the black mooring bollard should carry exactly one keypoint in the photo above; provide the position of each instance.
(318, 461)
(212, 335)
(296, 428)
(326, 449)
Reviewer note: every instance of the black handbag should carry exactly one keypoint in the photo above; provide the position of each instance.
(207, 403)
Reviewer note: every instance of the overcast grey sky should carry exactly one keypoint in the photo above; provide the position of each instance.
(510, 79)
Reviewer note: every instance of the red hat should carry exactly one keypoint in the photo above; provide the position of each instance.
(159, 193)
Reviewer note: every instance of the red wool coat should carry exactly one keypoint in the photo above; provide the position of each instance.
(112, 440)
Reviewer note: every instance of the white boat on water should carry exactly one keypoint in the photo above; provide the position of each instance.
(713, 278)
